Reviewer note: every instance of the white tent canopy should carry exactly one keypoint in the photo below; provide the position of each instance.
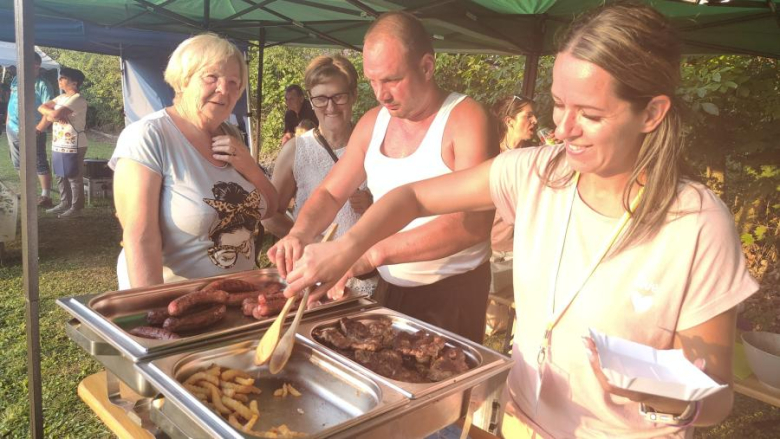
(8, 56)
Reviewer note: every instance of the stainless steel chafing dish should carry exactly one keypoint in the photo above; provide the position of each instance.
(345, 399)
(101, 322)
(334, 397)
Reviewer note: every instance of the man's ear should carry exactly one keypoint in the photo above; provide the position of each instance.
(655, 111)
(428, 65)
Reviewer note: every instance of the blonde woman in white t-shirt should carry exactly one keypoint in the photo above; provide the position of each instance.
(187, 191)
(610, 233)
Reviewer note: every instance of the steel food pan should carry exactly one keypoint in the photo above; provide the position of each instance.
(110, 315)
(334, 397)
(478, 357)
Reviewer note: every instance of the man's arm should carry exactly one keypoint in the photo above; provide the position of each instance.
(324, 203)
(470, 139)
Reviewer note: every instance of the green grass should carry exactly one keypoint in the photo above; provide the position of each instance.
(78, 256)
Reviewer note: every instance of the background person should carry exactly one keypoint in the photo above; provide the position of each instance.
(672, 277)
(516, 128)
(68, 115)
(298, 110)
(187, 192)
(42, 94)
(303, 126)
(437, 268)
(305, 160)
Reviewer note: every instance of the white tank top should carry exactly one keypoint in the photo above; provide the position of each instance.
(385, 174)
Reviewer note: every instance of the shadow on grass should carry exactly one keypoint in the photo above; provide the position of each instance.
(68, 241)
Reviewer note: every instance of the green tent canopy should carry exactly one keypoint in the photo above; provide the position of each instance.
(486, 26)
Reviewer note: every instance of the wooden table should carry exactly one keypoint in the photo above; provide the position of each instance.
(92, 390)
(751, 387)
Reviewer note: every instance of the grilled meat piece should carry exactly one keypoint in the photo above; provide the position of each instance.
(451, 362)
(248, 305)
(386, 363)
(360, 335)
(333, 337)
(421, 345)
(156, 317)
(417, 357)
(154, 333)
(196, 321)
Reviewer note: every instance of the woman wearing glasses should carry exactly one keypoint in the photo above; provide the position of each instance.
(305, 160)
(187, 192)
(610, 234)
(516, 128)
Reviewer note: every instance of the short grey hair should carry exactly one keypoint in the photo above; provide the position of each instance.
(198, 52)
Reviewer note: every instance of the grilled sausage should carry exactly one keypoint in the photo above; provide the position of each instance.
(270, 288)
(156, 317)
(248, 305)
(267, 306)
(187, 302)
(153, 332)
(198, 320)
(236, 299)
(230, 286)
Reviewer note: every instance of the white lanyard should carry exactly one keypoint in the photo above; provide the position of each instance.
(555, 317)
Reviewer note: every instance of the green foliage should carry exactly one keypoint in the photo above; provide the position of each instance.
(102, 87)
(283, 66)
(733, 136)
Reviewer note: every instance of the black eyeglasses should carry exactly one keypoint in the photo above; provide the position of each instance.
(322, 101)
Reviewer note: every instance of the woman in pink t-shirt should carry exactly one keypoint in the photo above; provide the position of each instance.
(610, 232)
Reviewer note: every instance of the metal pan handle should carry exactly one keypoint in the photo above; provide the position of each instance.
(87, 339)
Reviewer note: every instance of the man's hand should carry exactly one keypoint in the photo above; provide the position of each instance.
(284, 253)
(361, 200)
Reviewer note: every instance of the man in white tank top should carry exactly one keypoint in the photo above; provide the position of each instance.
(437, 266)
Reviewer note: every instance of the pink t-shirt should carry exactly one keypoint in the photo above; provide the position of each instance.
(691, 271)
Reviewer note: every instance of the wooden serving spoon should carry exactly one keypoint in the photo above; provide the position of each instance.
(287, 342)
(270, 340)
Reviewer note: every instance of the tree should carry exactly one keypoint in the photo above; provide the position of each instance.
(102, 87)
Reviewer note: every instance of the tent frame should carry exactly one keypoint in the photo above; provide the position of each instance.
(472, 14)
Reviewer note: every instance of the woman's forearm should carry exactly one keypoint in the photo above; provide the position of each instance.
(278, 225)
(143, 255)
(715, 408)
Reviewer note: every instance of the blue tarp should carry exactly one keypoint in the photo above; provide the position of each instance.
(143, 54)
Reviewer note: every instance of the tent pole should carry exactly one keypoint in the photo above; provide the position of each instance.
(258, 114)
(25, 35)
(529, 76)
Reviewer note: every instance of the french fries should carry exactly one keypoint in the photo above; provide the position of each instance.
(238, 407)
(287, 389)
(230, 392)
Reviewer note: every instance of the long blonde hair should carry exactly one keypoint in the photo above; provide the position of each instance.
(640, 49)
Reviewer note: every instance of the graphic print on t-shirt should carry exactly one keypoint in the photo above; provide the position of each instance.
(239, 213)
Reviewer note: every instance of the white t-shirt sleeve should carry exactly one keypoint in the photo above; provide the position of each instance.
(143, 143)
(503, 185)
(719, 279)
(513, 175)
(70, 101)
